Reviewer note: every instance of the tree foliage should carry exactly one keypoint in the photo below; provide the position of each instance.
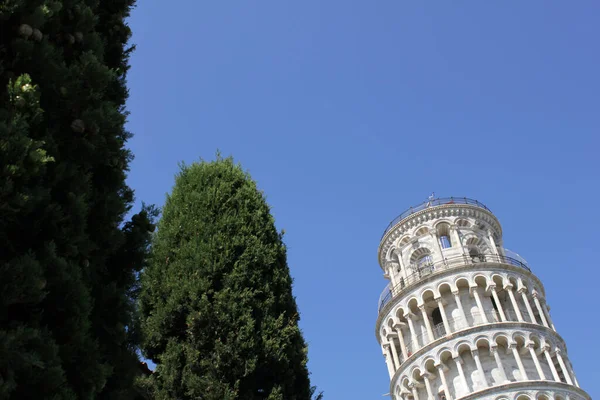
(68, 261)
(217, 312)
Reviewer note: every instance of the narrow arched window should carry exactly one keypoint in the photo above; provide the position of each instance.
(443, 232)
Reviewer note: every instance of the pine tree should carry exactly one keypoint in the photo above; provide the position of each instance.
(217, 311)
(68, 261)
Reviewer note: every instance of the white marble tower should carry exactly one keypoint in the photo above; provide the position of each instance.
(462, 317)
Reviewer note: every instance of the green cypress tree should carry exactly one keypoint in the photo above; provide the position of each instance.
(68, 262)
(217, 311)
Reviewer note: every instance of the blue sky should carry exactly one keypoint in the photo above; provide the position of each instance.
(348, 112)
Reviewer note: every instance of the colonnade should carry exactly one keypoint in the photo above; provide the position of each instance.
(513, 358)
(406, 334)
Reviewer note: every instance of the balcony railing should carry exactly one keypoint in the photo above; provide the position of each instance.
(423, 270)
(431, 203)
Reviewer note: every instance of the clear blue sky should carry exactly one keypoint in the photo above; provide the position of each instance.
(348, 112)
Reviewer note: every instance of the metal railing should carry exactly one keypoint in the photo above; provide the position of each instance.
(424, 270)
(431, 203)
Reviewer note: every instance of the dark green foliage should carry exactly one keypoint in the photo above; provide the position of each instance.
(217, 311)
(68, 262)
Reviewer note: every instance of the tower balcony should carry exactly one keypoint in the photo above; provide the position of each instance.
(429, 268)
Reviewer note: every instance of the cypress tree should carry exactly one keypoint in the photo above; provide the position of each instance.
(68, 260)
(217, 311)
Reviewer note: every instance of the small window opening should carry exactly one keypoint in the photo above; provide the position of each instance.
(443, 232)
(445, 242)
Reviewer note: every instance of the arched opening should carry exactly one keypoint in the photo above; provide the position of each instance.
(438, 323)
(421, 262)
(463, 223)
(421, 231)
(436, 316)
(443, 233)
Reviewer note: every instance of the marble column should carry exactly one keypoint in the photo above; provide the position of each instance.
(394, 351)
(426, 379)
(493, 243)
(547, 310)
(475, 354)
(461, 373)
(388, 360)
(427, 323)
(494, 351)
(456, 238)
(415, 392)
(523, 292)
(513, 300)
(441, 368)
(551, 363)
(440, 303)
(515, 351)
(413, 333)
(398, 328)
(561, 362)
(536, 361)
(498, 304)
(475, 294)
(536, 300)
(465, 322)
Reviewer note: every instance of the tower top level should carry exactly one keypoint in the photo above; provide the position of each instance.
(438, 217)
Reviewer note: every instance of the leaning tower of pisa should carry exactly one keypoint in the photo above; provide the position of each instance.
(462, 317)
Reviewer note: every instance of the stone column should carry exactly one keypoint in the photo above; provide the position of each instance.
(475, 294)
(456, 238)
(563, 367)
(497, 301)
(523, 292)
(461, 372)
(402, 266)
(426, 377)
(415, 392)
(390, 273)
(547, 309)
(398, 328)
(551, 363)
(494, 351)
(536, 300)
(394, 351)
(440, 303)
(513, 300)
(536, 361)
(570, 365)
(427, 323)
(440, 368)
(475, 354)
(388, 361)
(435, 238)
(493, 242)
(515, 351)
(465, 322)
(413, 333)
